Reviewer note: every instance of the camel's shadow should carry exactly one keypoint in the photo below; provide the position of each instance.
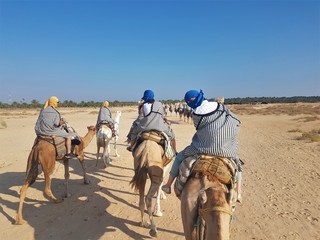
(87, 204)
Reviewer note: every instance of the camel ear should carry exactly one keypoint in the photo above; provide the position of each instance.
(202, 196)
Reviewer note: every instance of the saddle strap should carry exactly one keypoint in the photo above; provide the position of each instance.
(216, 209)
(153, 136)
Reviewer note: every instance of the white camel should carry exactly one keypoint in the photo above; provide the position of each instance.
(104, 136)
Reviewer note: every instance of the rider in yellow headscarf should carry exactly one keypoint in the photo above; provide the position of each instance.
(105, 117)
(52, 101)
(105, 104)
(50, 123)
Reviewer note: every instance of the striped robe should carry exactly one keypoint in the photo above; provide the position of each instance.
(216, 133)
(152, 121)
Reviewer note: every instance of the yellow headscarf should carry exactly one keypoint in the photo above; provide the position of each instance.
(105, 104)
(52, 101)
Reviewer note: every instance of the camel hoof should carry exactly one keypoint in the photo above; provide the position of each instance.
(58, 200)
(145, 224)
(153, 232)
(67, 195)
(158, 214)
(86, 181)
(19, 221)
(117, 155)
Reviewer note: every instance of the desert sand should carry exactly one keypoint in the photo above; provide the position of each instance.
(280, 191)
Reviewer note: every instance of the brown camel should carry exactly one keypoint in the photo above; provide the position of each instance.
(209, 201)
(44, 153)
(148, 162)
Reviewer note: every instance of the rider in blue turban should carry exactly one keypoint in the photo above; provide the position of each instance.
(148, 95)
(194, 98)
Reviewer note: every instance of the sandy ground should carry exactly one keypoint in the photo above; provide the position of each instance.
(281, 184)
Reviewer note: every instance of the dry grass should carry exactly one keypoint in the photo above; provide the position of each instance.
(94, 112)
(312, 136)
(292, 109)
(308, 118)
(20, 113)
(3, 123)
(295, 130)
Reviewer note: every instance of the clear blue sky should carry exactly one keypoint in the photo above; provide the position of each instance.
(113, 50)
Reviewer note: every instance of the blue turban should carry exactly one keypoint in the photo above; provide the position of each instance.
(148, 95)
(198, 98)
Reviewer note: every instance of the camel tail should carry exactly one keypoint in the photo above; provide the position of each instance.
(32, 168)
(140, 176)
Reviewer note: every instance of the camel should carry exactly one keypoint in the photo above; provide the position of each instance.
(180, 111)
(205, 203)
(148, 162)
(104, 136)
(187, 114)
(44, 153)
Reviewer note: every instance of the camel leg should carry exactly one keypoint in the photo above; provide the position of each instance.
(160, 195)
(66, 177)
(157, 209)
(104, 156)
(108, 153)
(98, 153)
(165, 169)
(115, 146)
(47, 189)
(84, 169)
(23, 192)
(141, 204)
(189, 207)
(153, 189)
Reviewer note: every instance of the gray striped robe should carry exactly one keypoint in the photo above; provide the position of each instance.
(216, 134)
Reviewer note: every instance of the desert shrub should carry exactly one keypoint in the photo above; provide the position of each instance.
(94, 112)
(313, 136)
(295, 130)
(3, 123)
(311, 118)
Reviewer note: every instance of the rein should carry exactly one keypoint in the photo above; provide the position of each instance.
(215, 209)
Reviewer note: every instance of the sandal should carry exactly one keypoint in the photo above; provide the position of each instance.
(70, 156)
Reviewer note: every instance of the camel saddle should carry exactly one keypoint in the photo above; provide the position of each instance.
(59, 144)
(213, 167)
(220, 168)
(109, 125)
(162, 139)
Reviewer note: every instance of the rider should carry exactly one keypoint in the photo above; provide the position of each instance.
(105, 117)
(151, 117)
(216, 131)
(50, 123)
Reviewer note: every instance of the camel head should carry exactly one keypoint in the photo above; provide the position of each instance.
(91, 128)
(118, 115)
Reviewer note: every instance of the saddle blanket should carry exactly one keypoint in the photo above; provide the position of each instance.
(213, 167)
(163, 140)
(58, 143)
